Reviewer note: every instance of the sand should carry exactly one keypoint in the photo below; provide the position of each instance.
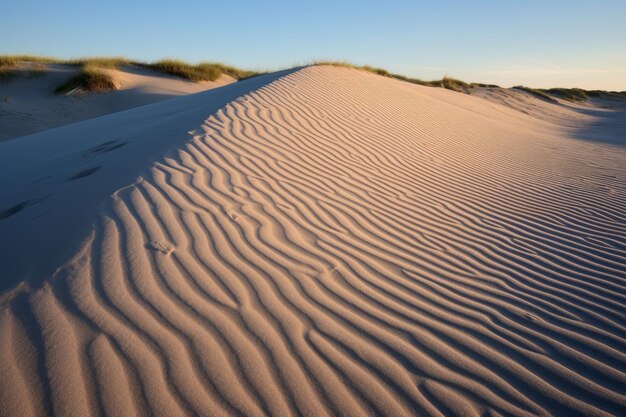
(28, 103)
(317, 242)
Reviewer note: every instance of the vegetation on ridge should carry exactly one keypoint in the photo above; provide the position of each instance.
(536, 93)
(446, 82)
(205, 71)
(93, 77)
(89, 78)
(571, 94)
(8, 64)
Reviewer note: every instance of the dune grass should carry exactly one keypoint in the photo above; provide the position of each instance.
(536, 92)
(452, 84)
(614, 95)
(7, 68)
(483, 85)
(15, 59)
(571, 94)
(205, 71)
(8, 64)
(90, 78)
(446, 82)
(580, 95)
(100, 62)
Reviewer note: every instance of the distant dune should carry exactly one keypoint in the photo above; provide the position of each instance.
(28, 103)
(320, 241)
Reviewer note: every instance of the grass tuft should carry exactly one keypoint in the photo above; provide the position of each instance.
(92, 78)
(445, 82)
(100, 62)
(205, 71)
(536, 92)
(455, 85)
(7, 67)
(614, 95)
(474, 85)
(570, 94)
(89, 78)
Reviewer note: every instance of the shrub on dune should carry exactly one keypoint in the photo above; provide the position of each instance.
(537, 93)
(570, 94)
(7, 67)
(446, 82)
(101, 62)
(89, 78)
(206, 71)
(483, 85)
(455, 85)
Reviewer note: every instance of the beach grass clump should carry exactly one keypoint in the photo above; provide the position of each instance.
(16, 59)
(90, 78)
(446, 82)
(7, 67)
(483, 85)
(100, 62)
(35, 69)
(614, 95)
(184, 70)
(204, 71)
(455, 85)
(536, 92)
(378, 71)
(570, 94)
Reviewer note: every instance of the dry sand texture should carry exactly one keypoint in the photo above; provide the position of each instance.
(319, 242)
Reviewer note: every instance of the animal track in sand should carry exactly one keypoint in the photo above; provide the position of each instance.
(12, 210)
(160, 247)
(104, 147)
(83, 173)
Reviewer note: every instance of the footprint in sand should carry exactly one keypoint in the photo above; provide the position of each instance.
(160, 247)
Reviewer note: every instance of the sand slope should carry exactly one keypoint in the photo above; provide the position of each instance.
(322, 242)
(28, 104)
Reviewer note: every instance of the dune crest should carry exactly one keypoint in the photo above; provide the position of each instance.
(325, 242)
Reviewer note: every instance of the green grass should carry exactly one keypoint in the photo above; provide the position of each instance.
(15, 59)
(99, 61)
(446, 82)
(8, 64)
(7, 67)
(89, 78)
(182, 69)
(452, 84)
(7, 73)
(615, 95)
(571, 94)
(536, 92)
(205, 71)
(474, 85)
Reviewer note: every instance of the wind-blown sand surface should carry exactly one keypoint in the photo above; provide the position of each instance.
(28, 103)
(317, 242)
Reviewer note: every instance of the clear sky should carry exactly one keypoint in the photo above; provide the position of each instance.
(537, 43)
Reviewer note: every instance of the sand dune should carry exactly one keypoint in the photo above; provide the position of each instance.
(28, 104)
(317, 242)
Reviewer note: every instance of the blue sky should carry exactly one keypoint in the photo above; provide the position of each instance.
(538, 43)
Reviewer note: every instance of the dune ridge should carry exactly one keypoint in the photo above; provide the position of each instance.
(28, 104)
(336, 243)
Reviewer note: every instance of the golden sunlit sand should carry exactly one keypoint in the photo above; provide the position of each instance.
(316, 242)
